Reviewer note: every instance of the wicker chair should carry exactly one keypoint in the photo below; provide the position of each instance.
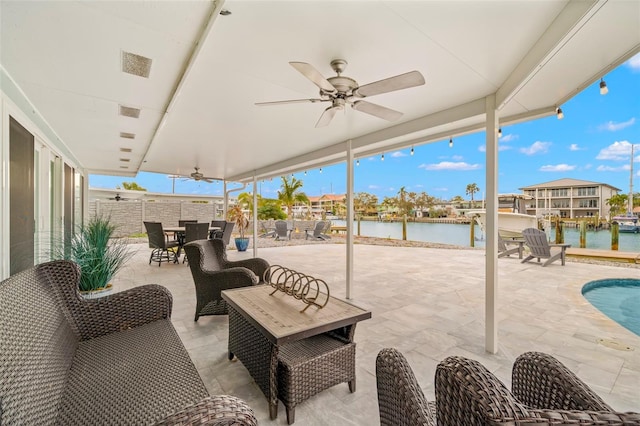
(544, 392)
(116, 360)
(212, 273)
(162, 249)
(194, 232)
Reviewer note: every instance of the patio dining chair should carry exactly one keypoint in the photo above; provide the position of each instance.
(217, 224)
(194, 232)
(162, 249)
(540, 248)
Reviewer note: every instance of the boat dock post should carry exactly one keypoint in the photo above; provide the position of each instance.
(472, 238)
(615, 229)
(583, 234)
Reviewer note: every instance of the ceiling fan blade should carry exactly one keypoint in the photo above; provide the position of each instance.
(377, 110)
(208, 180)
(312, 74)
(391, 84)
(292, 101)
(327, 116)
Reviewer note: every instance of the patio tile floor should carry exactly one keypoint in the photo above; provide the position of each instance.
(428, 303)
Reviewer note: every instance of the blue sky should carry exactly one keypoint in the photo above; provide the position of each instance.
(592, 142)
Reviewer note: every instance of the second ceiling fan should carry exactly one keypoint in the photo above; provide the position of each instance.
(341, 90)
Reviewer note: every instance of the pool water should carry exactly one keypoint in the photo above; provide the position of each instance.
(617, 298)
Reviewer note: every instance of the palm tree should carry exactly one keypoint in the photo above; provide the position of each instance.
(290, 194)
(472, 188)
(617, 204)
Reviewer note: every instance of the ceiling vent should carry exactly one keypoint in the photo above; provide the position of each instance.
(129, 112)
(126, 135)
(125, 160)
(136, 64)
(124, 167)
(125, 149)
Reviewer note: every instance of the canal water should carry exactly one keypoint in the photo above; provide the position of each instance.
(446, 233)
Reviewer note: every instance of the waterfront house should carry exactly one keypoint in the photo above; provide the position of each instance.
(570, 198)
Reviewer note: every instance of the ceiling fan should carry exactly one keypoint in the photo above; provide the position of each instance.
(341, 90)
(197, 176)
(118, 198)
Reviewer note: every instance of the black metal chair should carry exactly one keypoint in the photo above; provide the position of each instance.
(162, 249)
(212, 273)
(194, 232)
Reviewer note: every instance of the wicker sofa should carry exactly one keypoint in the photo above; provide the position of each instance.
(116, 360)
(545, 392)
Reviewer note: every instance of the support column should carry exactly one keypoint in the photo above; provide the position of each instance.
(491, 227)
(349, 277)
(255, 216)
(225, 200)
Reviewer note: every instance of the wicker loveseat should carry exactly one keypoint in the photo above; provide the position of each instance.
(545, 392)
(116, 360)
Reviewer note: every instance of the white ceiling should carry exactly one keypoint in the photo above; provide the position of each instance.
(66, 57)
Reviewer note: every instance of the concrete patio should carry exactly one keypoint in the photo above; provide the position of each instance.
(428, 303)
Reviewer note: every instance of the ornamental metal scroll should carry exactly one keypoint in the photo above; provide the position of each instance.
(298, 285)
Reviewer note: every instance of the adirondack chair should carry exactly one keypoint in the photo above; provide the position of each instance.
(505, 250)
(318, 232)
(540, 248)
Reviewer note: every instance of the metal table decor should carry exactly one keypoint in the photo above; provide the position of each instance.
(301, 286)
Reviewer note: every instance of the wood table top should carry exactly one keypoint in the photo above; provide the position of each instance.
(183, 229)
(280, 319)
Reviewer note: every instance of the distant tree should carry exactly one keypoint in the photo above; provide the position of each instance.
(617, 204)
(246, 200)
(364, 203)
(472, 188)
(131, 186)
(457, 199)
(271, 209)
(404, 201)
(291, 194)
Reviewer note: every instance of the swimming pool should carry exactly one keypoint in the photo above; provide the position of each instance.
(617, 298)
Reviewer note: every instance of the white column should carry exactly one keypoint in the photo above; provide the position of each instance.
(225, 200)
(255, 217)
(491, 258)
(349, 276)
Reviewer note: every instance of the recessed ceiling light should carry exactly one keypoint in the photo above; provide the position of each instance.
(129, 111)
(125, 160)
(124, 167)
(136, 64)
(125, 149)
(127, 135)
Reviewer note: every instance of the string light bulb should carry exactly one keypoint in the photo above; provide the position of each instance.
(559, 114)
(305, 172)
(411, 150)
(450, 142)
(500, 132)
(320, 169)
(603, 87)
(382, 157)
(357, 162)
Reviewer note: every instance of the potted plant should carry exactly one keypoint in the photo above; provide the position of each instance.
(98, 256)
(237, 216)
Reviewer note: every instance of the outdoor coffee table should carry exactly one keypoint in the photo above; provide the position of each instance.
(303, 352)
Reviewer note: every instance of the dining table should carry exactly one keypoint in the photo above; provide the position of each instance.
(180, 233)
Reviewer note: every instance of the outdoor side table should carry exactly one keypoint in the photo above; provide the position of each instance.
(292, 355)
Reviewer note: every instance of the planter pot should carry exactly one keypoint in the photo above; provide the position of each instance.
(242, 244)
(95, 294)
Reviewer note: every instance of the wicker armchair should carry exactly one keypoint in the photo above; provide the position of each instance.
(467, 393)
(116, 360)
(212, 273)
(544, 392)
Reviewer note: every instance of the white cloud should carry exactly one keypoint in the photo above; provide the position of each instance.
(442, 189)
(613, 127)
(398, 154)
(418, 186)
(457, 158)
(624, 168)
(483, 148)
(588, 166)
(619, 150)
(574, 147)
(537, 147)
(449, 165)
(373, 187)
(634, 63)
(508, 138)
(557, 168)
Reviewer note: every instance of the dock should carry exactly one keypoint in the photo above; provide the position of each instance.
(608, 255)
